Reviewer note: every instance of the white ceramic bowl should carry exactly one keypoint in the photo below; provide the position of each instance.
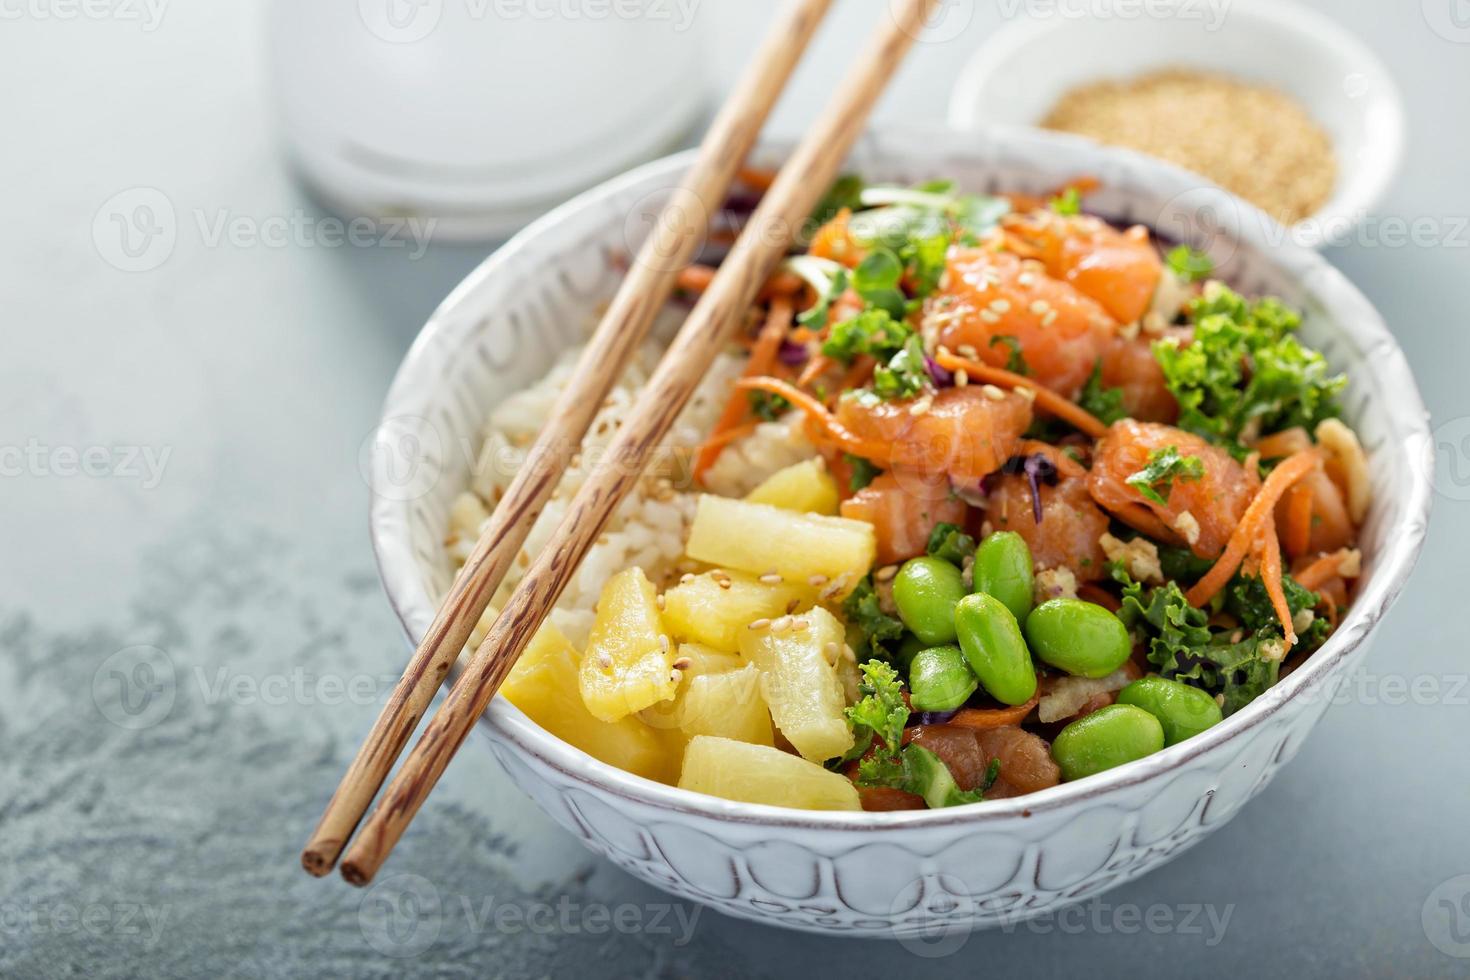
(1019, 73)
(886, 874)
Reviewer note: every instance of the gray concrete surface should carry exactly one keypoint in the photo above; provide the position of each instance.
(224, 396)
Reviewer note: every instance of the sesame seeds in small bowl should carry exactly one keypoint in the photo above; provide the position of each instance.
(1276, 103)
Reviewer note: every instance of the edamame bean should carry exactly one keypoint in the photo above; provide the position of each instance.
(940, 680)
(1003, 569)
(992, 643)
(1081, 638)
(925, 591)
(1182, 710)
(1106, 738)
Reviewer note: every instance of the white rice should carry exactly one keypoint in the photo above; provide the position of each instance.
(649, 527)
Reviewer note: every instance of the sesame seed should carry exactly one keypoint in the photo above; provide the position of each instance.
(989, 316)
(663, 643)
(832, 650)
(1026, 279)
(799, 625)
(781, 624)
(817, 581)
(760, 624)
(686, 578)
(676, 676)
(604, 660)
(1049, 319)
(1000, 305)
(771, 578)
(662, 602)
(968, 350)
(885, 573)
(961, 378)
(1026, 392)
(994, 393)
(1040, 307)
(683, 663)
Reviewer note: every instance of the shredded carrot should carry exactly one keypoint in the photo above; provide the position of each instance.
(1331, 605)
(814, 369)
(1046, 399)
(782, 284)
(1315, 575)
(983, 718)
(1296, 529)
(762, 358)
(858, 374)
(1279, 445)
(1098, 596)
(1271, 576)
(1263, 507)
(695, 278)
(757, 178)
(816, 412)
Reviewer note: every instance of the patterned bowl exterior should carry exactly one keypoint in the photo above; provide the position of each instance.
(897, 874)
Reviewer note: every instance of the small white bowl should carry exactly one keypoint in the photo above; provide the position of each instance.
(886, 874)
(1023, 69)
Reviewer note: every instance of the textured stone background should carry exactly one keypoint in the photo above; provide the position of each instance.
(168, 728)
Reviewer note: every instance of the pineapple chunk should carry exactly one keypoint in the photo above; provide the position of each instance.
(543, 684)
(702, 611)
(729, 705)
(629, 657)
(799, 683)
(669, 715)
(806, 487)
(758, 538)
(758, 774)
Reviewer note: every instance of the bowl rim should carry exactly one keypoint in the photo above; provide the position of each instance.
(504, 722)
(1375, 170)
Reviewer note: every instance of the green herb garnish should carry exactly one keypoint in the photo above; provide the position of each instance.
(1165, 465)
(1068, 203)
(950, 542)
(1245, 368)
(1105, 404)
(905, 374)
(864, 471)
(1189, 265)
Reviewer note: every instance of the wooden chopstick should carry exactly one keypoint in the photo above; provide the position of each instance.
(796, 191)
(647, 287)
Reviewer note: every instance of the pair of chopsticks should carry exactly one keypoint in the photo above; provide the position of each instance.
(785, 206)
